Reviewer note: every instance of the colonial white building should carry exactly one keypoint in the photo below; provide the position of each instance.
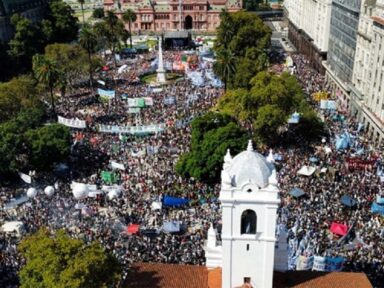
(309, 26)
(249, 199)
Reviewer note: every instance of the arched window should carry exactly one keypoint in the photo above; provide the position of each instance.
(248, 222)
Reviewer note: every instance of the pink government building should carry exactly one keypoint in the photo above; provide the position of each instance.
(174, 15)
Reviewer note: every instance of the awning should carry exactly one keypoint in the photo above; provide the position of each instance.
(297, 192)
(348, 201)
(171, 227)
(306, 170)
(174, 201)
(339, 229)
(133, 229)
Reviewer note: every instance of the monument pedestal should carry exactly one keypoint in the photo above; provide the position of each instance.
(161, 78)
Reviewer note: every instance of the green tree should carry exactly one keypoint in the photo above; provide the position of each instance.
(82, 8)
(8, 66)
(268, 120)
(212, 135)
(268, 105)
(112, 30)
(9, 150)
(13, 153)
(47, 74)
(251, 5)
(248, 66)
(233, 103)
(57, 261)
(225, 66)
(225, 31)
(98, 13)
(48, 145)
(88, 40)
(246, 37)
(63, 22)
(70, 61)
(25, 42)
(129, 17)
(16, 95)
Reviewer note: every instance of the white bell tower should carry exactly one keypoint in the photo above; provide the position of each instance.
(249, 199)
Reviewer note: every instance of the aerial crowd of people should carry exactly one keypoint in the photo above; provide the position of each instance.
(149, 175)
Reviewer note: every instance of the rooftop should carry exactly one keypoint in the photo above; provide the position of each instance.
(153, 275)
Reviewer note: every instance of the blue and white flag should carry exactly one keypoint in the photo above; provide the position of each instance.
(106, 93)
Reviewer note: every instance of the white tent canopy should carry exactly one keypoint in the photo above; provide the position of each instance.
(13, 226)
(156, 205)
(306, 170)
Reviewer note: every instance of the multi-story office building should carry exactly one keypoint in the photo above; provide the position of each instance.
(308, 28)
(341, 49)
(172, 15)
(361, 76)
(373, 104)
(32, 9)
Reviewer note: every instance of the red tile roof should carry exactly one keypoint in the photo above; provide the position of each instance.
(151, 275)
(147, 275)
(214, 278)
(313, 279)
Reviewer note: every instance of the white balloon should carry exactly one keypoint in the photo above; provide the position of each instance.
(80, 191)
(31, 192)
(49, 191)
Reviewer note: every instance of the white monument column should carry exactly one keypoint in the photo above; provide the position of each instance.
(161, 78)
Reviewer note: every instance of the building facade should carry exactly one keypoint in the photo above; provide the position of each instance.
(249, 200)
(362, 75)
(31, 9)
(373, 104)
(308, 28)
(341, 51)
(174, 15)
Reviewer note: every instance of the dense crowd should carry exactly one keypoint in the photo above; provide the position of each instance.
(150, 174)
(310, 217)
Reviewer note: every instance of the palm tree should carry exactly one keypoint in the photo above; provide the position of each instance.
(46, 73)
(226, 27)
(88, 40)
(111, 22)
(129, 16)
(225, 65)
(82, 8)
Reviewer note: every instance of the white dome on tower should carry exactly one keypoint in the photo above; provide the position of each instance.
(249, 167)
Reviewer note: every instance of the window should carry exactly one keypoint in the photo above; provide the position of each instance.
(248, 222)
(247, 280)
